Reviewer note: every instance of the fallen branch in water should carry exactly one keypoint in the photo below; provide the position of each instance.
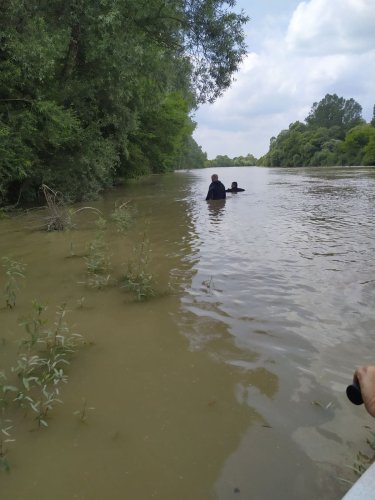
(59, 215)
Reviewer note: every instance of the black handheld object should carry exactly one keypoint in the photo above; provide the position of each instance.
(354, 394)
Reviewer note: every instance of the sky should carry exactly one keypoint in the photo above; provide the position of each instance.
(297, 53)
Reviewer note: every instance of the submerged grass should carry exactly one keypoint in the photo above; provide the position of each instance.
(365, 459)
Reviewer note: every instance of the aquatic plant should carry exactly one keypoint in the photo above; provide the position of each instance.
(5, 438)
(40, 367)
(57, 342)
(81, 302)
(365, 459)
(83, 412)
(209, 285)
(36, 395)
(5, 390)
(37, 373)
(14, 271)
(97, 261)
(138, 279)
(45, 404)
(123, 216)
(101, 223)
(72, 252)
(34, 325)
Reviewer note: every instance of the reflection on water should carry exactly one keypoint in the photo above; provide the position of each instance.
(216, 210)
(231, 385)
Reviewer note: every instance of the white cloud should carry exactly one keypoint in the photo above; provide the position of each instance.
(322, 27)
(278, 84)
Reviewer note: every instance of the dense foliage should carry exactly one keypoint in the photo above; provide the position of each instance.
(334, 133)
(191, 155)
(91, 90)
(238, 161)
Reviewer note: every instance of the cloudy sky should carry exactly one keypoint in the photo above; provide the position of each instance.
(297, 53)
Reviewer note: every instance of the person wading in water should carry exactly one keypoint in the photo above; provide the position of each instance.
(216, 191)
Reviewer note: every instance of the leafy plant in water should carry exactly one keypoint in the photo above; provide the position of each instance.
(97, 260)
(83, 412)
(40, 371)
(5, 438)
(34, 325)
(14, 271)
(138, 278)
(123, 216)
(41, 367)
(45, 404)
(5, 390)
(60, 342)
(101, 223)
(81, 302)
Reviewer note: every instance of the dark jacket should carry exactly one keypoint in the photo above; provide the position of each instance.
(234, 190)
(216, 191)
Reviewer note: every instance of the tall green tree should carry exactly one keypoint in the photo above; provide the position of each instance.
(335, 111)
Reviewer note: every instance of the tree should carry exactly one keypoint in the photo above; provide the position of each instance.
(369, 156)
(334, 134)
(335, 111)
(191, 155)
(237, 161)
(373, 117)
(359, 144)
(162, 132)
(81, 81)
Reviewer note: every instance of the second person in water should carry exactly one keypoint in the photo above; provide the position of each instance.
(234, 188)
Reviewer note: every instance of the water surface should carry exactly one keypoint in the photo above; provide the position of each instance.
(229, 384)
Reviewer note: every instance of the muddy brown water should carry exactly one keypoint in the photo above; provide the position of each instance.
(230, 384)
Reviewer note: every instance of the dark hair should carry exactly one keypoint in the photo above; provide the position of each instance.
(234, 184)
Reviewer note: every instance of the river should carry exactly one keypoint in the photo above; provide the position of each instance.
(230, 382)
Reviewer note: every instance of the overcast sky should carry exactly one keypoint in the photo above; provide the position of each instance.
(297, 53)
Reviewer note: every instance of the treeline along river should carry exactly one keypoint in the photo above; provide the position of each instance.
(230, 382)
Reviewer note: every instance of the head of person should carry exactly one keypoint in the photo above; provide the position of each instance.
(234, 185)
(214, 177)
